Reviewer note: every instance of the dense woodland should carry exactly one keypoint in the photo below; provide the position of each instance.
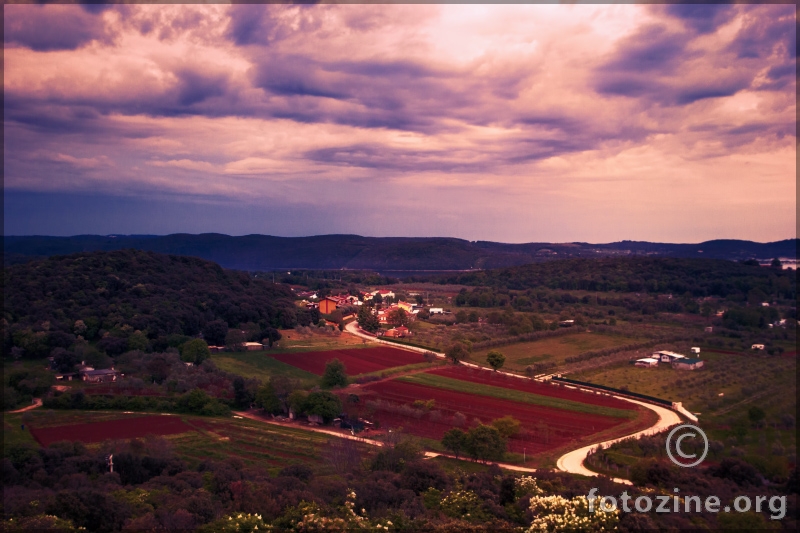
(131, 299)
(698, 277)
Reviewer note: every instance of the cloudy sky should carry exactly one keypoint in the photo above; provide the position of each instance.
(511, 123)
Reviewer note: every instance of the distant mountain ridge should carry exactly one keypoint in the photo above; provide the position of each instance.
(266, 252)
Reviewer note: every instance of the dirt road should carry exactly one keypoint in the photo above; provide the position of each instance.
(37, 402)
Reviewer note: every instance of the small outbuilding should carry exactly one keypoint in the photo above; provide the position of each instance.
(695, 350)
(104, 375)
(687, 364)
(253, 346)
(646, 362)
(757, 347)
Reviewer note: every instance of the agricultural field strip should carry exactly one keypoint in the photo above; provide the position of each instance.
(271, 447)
(121, 429)
(556, 422)
(356, 361)
(503, 380)
(457, 385)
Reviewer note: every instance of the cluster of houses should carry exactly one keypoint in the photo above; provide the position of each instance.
(678, 361)
(84, 372)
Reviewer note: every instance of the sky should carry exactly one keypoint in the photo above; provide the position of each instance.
(512, 123)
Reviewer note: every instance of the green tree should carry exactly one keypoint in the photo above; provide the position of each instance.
(756, 415)
(195, 351)
(334, 375)
(398, 317)
(484, 443)
(508, 426)
(235, 340)
(138, 341)
(297, 401)
(457, 352)
(323, 403)
(455, 441)
(495, 359)
(367, 320)
(267, 399)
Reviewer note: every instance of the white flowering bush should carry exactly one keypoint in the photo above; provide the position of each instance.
(40, 522)
(239, 523)
(526, 485)
(462, 504)
(554, 513)
(315, 520)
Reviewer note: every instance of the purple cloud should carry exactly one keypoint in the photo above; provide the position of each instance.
(49, 28)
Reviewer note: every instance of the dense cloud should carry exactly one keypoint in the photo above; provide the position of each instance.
(52, 27)
(503, 107)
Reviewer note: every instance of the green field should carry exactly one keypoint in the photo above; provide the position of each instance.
(260, 365)
(442, 382)
(742, 381)
(554, 349)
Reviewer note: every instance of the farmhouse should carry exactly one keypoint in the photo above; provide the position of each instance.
(436, 311)
(668, 357)
(253, 346)
(646, 362)
(327, 306)
(401, 331)
(687, 364)
(99, 376)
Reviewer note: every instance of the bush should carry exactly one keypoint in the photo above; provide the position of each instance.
(334, 375)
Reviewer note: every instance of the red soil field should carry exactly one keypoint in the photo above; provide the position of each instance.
(124, 428)
(357, 361)
(487, 377)
(543, 428)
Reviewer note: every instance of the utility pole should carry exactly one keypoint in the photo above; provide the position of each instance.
(110, 462)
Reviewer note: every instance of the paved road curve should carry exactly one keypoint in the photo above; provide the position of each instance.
(572, 462)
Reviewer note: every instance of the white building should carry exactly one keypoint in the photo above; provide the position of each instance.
(646, 362)
(667, 357)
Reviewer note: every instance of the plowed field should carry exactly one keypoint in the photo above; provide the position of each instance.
(487, 377)
(125, 428)
(356, 361)
(543, 428)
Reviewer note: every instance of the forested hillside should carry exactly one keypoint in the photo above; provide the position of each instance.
(700, 277)
(266, 252)
(132, 299)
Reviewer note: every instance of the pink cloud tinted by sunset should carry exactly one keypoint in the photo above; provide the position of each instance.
(511, 123)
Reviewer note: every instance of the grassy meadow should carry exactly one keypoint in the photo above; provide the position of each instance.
(553, 350)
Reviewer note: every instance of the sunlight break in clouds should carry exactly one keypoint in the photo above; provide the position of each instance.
(510, 123)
